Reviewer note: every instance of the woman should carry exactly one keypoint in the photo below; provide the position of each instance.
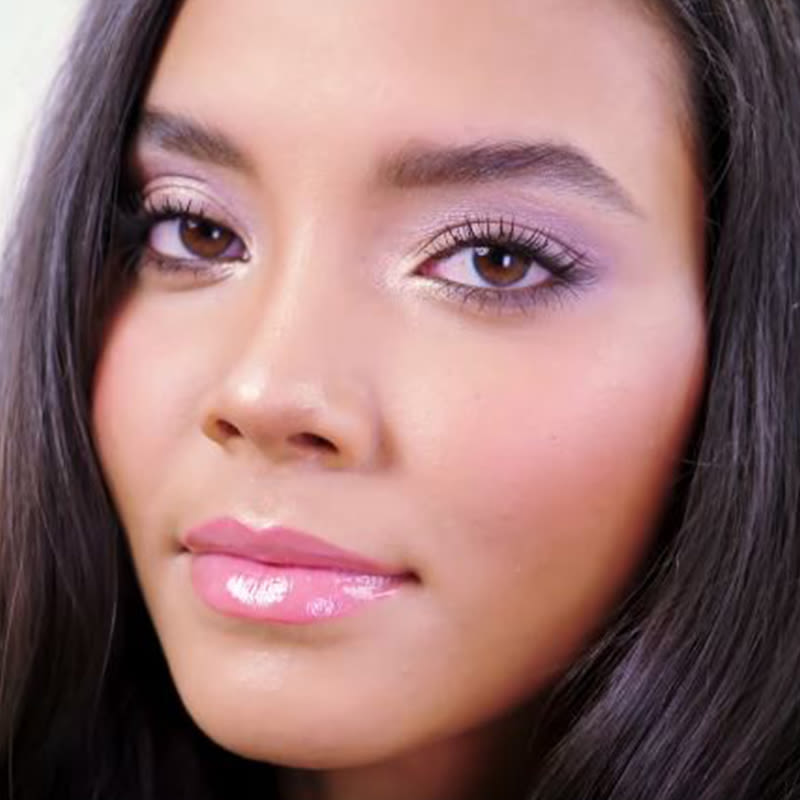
(398, 401)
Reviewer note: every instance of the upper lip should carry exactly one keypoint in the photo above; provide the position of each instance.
(278, 545)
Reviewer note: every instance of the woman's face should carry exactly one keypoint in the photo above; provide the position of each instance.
(447, 318)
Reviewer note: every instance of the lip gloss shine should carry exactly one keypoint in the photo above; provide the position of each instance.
(281, 575)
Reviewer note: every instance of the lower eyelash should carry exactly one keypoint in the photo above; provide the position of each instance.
(526, 301)
(190, 272)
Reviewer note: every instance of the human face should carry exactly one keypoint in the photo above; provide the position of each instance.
(505, 462)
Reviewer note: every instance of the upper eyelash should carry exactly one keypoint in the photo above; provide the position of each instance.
(149, 213)
(134, 219)
(535, 243)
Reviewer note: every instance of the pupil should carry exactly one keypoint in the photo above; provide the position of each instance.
(499, 266)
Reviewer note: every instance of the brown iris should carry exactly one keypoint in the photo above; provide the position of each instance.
(205, 239)
(499, 266)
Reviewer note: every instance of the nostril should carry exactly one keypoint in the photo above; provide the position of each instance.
(312, 440)
(226, 429)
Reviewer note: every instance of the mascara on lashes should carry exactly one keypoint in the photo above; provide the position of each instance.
(568, 267)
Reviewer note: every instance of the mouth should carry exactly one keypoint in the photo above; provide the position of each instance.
(282, 575)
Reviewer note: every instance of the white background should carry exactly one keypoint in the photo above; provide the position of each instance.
(33, 35)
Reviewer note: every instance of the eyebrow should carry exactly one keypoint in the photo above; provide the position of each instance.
(176, 133)
(562, 166)
(551, 163)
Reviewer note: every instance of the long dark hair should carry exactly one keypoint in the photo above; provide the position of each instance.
(691, 691)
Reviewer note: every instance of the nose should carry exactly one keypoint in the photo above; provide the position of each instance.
(297, 390)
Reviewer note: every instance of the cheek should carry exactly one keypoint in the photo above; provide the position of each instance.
(546, 468)
(141, 414)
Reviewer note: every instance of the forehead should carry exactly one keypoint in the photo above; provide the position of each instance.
(421, 53)
(365, 75)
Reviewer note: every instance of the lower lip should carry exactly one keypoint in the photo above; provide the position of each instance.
(239, 587)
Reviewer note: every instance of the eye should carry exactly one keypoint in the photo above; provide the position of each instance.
(190, 237)
(499, 266)
(490, 266)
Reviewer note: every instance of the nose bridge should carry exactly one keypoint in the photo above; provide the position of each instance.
(299, 351)
(300, 380)
(306, 320)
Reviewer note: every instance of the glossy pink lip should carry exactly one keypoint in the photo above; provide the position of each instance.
(278, 574)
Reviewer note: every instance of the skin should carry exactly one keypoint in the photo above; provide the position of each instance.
(515, 462)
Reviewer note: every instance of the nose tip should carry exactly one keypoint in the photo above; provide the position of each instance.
(284, 425)
(293, 379)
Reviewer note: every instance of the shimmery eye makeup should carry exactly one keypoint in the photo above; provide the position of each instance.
(506, 267)
(517, 266)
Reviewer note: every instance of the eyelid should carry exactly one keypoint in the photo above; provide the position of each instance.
(473, 229)
(600, 241)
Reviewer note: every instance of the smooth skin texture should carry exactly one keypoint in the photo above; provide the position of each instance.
(515, 460)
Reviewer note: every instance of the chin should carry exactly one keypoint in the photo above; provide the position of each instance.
(304, 737)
